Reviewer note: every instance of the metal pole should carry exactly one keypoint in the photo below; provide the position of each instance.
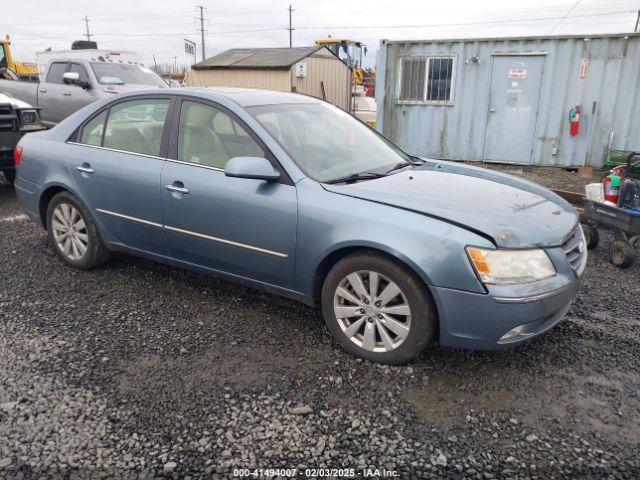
(175, 64)
(202, 30)
(86, 22)
(290, 28)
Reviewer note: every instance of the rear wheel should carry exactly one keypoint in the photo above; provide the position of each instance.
(10, 175)
(621, 254)
(73, 233)
(378, 309)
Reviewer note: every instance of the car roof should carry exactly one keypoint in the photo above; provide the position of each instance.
(245, 97)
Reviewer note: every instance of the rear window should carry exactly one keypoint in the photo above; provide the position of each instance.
(56, 70)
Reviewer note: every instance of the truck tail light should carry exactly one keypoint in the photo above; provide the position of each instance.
(17, 154)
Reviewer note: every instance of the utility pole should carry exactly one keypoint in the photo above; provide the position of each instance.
(175, 64)
(291, 29)
(201, 18)
(637, 22)
(86, 21)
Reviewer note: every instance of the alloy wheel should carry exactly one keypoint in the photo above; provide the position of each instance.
(372, 311)
(70, 231)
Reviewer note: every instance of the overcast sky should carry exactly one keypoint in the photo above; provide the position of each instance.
(160, 26)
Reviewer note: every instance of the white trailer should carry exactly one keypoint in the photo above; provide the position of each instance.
(113, 56)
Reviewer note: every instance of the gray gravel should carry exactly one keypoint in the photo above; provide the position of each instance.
(136, 370)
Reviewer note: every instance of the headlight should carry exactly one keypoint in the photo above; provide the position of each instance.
(30, 120)
(507, 267)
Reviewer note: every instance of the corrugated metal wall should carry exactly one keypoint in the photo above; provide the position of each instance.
(328, 70)
(608, 95)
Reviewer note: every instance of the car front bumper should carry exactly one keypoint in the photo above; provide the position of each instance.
(491, 322)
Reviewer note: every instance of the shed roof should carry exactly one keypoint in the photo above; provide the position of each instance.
(257, 58)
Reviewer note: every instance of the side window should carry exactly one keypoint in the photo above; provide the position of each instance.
(136, 126)
(92, 131)
(76, 67)
(208, 136)
(55, 72)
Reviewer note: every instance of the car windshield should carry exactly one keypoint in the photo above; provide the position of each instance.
(327, 143)
(121, 73)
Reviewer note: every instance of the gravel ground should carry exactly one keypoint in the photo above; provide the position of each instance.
(136, 370)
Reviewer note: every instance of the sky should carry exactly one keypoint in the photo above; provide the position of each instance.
(158, 27)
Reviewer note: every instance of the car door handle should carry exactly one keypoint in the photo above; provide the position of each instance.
(43, 90)
(492, 110)
(84, 169)
(177, 189)
(66, 94)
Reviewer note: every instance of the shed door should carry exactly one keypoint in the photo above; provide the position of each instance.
(513, 108)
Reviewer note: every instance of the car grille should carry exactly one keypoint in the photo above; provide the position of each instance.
(8, 118)
(576, 250)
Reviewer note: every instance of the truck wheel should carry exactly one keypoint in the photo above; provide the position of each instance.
(622, 254)
(378, 309)
(10, 175)
(73, 234)
(591, 235)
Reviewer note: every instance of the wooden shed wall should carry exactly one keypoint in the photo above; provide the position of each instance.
(328, 70)
(249, 78)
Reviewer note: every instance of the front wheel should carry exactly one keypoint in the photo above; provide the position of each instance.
(73, 233)
(378, 309)
(621, 254)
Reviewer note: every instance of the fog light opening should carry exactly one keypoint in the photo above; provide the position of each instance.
(514, 332)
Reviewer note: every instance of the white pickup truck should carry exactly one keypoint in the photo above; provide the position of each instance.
(71, 83)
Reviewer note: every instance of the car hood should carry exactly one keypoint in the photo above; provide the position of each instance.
(514, 213)
(15, 103)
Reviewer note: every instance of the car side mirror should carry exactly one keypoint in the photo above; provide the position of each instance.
(251, 167)
(74, 77)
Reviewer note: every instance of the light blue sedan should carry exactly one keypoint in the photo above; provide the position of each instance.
(292, 195)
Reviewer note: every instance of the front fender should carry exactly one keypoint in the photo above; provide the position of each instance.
(434, 249)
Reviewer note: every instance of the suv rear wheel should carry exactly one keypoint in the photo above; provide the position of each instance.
(73, 233)
(378, 309)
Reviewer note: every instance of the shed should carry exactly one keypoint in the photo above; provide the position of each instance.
(510, 99)
(313, 71)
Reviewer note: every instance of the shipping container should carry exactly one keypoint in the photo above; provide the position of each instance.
(512, 100)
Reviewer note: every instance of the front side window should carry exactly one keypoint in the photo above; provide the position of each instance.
(208, 136)
(426, 80)
(56, 70)
(136, 126)
(327, 143)
(80, 70)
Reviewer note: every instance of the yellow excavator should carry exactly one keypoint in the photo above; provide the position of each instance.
(351, 52)
(24, 70)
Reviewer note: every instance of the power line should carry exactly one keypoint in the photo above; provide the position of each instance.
(290, 28)
(201, 29)
(461, 24)
(86, 22)
(565, 16)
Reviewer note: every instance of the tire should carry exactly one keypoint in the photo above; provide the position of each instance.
(591, 236)
(366, 335)
(10, 175)
(621, 254)
(94, 253)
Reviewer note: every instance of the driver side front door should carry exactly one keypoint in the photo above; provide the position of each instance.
(243, 227)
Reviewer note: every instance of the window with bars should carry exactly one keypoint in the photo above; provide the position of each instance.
(426, 79)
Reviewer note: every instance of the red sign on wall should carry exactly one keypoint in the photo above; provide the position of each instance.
(583, 68)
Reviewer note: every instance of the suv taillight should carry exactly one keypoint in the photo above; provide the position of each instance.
(17, 154)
